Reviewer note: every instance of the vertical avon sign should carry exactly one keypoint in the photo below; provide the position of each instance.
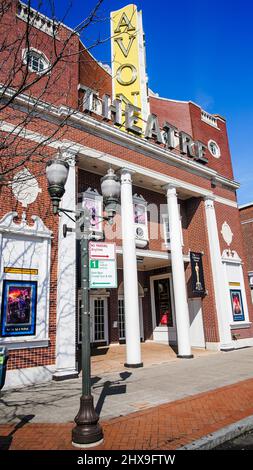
(128, 61)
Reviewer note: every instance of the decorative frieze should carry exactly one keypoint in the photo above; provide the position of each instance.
(37, 20)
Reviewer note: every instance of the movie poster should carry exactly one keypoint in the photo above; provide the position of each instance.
(18, 311)
(237, 305)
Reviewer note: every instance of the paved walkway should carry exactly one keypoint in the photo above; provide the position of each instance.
(163, 427)
(108, 359)
(173, 404)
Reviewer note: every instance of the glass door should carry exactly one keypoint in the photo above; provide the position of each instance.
(164, 314)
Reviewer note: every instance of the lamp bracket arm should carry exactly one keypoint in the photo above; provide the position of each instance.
(66, 213)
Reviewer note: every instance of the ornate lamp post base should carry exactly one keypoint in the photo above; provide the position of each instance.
(88, 432)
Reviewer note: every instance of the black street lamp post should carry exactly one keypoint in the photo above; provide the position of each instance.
(87, 431)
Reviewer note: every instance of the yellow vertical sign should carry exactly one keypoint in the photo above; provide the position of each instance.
(126, 29)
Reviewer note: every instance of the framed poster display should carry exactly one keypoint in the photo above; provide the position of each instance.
(18, 309)
(237, 305)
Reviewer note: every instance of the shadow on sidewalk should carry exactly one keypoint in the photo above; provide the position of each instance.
(111, 388)
(5, 441)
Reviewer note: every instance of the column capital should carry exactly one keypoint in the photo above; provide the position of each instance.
(171, 188)
(126, 175)
(69, 155)
(209, 201)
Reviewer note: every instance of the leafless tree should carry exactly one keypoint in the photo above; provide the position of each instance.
(33, 87)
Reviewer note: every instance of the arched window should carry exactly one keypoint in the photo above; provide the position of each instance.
(36, 60)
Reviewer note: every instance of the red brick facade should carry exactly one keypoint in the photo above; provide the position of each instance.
(63, 90)
(246, 217)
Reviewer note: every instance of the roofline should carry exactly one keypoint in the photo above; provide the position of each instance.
(170, 99)
(92, 56)
(50, 19)
(217, 116)
(243, 206)
(70, 29)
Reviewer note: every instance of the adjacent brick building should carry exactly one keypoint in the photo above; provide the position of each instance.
(246, 215)
(178, 200)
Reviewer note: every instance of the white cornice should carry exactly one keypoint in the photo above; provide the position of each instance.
(82, 150)
(115, 135)
(244, 206)
(226, 201)
(227, 182)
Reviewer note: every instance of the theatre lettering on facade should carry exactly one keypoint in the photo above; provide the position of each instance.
(182, 275)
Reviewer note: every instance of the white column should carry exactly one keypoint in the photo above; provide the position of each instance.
(178, 273)
(66, 284)
(131, 301)
(220, 285)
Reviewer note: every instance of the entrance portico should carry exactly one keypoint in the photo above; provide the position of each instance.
(166, 257)
(171, 257)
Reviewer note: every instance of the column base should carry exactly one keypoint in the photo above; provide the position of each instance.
(188, 356)
(67, 375)
(226, 347)
(133, 366)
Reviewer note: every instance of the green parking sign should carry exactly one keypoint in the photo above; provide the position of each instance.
(94, 263)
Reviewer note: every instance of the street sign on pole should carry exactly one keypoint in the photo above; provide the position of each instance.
(102, 265)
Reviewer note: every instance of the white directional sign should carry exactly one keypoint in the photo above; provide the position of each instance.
(102, 265)
(99, 250)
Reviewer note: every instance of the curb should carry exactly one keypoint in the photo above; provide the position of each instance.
(210, 441)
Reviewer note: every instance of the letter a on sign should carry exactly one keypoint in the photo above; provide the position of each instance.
(124, 23)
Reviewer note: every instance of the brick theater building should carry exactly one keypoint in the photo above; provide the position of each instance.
(182, 275)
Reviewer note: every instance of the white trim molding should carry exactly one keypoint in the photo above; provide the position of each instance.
(38, 229)
(66, 282)
(221, 289)
(24, 246)
(118, 162)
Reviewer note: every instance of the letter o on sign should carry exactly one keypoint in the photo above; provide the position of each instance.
(119, 74)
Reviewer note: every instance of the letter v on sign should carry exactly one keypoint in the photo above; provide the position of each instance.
(123, 49)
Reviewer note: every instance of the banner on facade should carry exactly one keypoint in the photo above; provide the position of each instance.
(18, 311)
(198, 283)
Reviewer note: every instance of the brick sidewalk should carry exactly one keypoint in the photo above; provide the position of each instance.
(167, 426)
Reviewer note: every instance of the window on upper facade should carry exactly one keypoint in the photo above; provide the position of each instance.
(214, 148)
(36, 61)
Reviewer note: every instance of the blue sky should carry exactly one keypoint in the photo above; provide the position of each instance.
(199, 50)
